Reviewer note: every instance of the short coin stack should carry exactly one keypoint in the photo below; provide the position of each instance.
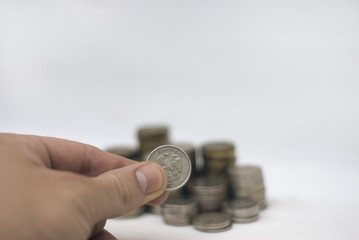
(212, 222)
(210, 192)
(217, 157)
(179, 211)
(151, 137)
(247, 182)
(242, 210)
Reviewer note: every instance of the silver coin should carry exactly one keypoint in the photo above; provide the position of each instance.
(175, 162)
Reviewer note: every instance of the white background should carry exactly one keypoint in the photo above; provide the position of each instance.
(278, 78)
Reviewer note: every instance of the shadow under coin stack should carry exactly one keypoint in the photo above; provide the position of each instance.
(151, 137)
(217, 157)
(247, 183)
(210, 192)
(179, 211)
(242, 210)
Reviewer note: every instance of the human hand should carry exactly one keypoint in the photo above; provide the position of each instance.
(58, 189)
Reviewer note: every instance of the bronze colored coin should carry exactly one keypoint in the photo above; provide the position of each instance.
(220, 149)
(155, 131)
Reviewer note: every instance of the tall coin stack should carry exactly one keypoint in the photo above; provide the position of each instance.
(210, 192)
(151, 137)
(217, 157)
(247, 182)
(179, 211)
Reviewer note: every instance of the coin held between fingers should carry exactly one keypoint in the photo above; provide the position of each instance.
(175, 162)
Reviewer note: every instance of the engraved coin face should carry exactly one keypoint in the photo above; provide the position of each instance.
(175, 162)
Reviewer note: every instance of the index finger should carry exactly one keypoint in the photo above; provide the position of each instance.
(79, 157)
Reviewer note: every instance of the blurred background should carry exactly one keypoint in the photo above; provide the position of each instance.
(278, 78)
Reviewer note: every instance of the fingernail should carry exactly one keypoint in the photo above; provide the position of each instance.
(150, 178)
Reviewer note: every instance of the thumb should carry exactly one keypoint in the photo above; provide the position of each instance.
(121, 190)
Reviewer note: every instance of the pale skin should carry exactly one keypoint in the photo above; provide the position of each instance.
(58, 189)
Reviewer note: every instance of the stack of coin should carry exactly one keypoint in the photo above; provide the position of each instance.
(151, 137)
(210, 192)
(212, 222)
(125, 151)
(179, 211)
(242, 210)
(217, 157)
(247, 182)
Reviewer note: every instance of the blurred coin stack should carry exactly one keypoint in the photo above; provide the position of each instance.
(246, 182)
(150, 137)
(179, 211)
(209, 191)
(217, 157)
(242, 210)
(212, 222)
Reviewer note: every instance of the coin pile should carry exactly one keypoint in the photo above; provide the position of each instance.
(242, 210)
(217, 157)
(246, 181)
(218, 193)
(210, 192)
(151, 137)
(212, 222)
(179, 211)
